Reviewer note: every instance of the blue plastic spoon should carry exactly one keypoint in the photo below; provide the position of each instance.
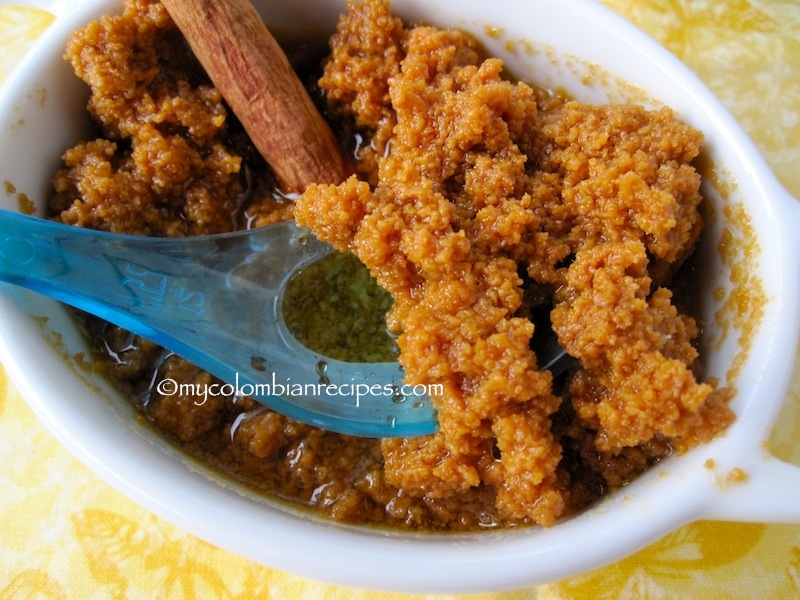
(216, 301)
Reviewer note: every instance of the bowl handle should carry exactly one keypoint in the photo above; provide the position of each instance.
(767, 492)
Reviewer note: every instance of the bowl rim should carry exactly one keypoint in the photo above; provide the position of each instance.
(504, 560)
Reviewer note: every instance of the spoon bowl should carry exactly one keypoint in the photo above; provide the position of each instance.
(217, 302)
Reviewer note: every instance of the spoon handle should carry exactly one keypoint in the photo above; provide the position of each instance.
(216, 301)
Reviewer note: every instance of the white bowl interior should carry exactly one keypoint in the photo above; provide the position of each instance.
(548, 42)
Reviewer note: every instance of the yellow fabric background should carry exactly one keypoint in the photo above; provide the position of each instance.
(66, 534)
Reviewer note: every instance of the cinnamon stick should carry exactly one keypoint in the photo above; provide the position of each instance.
(254, 76)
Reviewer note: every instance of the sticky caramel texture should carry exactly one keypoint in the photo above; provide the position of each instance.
(486, 207)
(168, 160)
(484, 194)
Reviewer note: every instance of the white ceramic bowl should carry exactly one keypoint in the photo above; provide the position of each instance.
(556, 43)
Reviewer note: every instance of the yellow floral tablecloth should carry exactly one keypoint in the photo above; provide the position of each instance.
(64, 533)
